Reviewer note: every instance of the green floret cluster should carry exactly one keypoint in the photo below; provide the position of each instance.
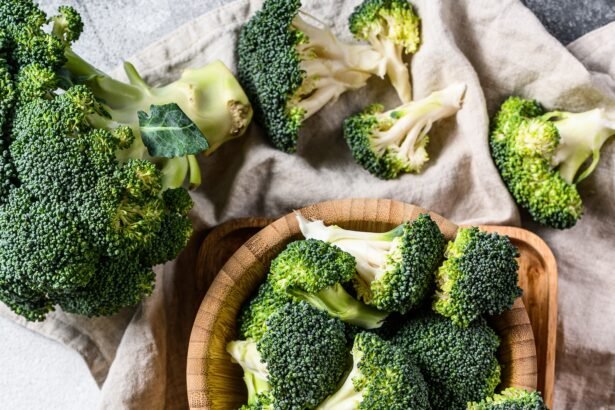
(459, 365)
(92, 170)
(298, 360)
(541, 156)
(353, 280)
(479, 276)
(511, 398)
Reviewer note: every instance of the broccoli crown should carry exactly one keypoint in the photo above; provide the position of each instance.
(407, 275)
(310, 266)
(392, 20)
(315, 271)
(383, 377)
(479, 276)
(305, 353)
(459, 364)
(390, 143)
(523, 143)
(511, 398)
(267, 40)
(254, 314)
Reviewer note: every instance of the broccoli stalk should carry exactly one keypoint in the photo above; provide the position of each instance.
(255, 373)
(315, 272)
(382, 377)
(392, 28)
(209, 96)
(395, 268)
(307, 67)
(389, 143)
(540, 156)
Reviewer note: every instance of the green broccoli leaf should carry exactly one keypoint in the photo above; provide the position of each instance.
(168, 132)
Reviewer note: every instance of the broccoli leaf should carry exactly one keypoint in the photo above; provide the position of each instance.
(168, 132)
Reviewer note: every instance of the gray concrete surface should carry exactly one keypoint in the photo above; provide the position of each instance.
(38, 373)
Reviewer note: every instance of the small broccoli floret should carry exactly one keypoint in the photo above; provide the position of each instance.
(298, 360)
(511, 399)
(253, 317)
(383, 377)
(394, 142)
(396, 268)
(393, 29)
(459, 364)
(307, 67)
(315, 271)
(478, 278)
(540, 156)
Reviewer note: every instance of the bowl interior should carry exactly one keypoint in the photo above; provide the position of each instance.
(215, 383)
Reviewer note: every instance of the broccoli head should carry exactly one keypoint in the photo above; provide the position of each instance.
(306, 68)
(540, 156)
(479, 276)
(253, 317)
(315, 271)
(393, 142)
(393, 29)
(459, 364)
(396, 268)
(297, 362)
(511, 399)
(383, 377)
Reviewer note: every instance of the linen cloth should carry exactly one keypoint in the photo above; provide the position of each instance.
(498, 48)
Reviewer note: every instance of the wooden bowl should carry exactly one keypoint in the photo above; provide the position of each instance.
(214, 383)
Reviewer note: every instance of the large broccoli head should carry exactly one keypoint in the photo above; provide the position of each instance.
(540, 154)
(291, 68)
(390, 143)
(459, 365)
(511, 398)
(315, 271)
(383, 376)
(298, 360)
(478, 278)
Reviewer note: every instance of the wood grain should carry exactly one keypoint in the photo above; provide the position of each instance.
(214, 383)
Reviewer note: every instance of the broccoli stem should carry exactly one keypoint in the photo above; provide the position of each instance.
(346, 397)
(582, 135)
(414, 119)
(397, 71)
(246, 354)
(339, 303)
(255, 386)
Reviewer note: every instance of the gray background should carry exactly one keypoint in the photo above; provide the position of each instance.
(36, 371)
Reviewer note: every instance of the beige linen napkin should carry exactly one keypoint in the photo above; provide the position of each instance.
(497, 48)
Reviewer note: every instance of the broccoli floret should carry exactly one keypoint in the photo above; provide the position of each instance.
(393, 29)
(383, 377)
(479, 276)
(459, 364)
(298, 360)
(511, 399)
(253, 317)
(306, 68)
(393, 142)
(396, 268)
(540, 156)
(315, 271)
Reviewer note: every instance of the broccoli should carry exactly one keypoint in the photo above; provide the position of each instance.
(85, 210)
(396, 268)
(315, 271)
(290, 68)
(393, 142)
(392, 28)
(479, 276)
(254, 314)
(383, 377)
(298, 360)
(459, 364)
(512, 398)
(540, 156)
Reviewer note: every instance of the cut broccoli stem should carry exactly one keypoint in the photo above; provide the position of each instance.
(346, 397)
(330, 67)
(582, 135)
(246, 354)
(339, 303)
